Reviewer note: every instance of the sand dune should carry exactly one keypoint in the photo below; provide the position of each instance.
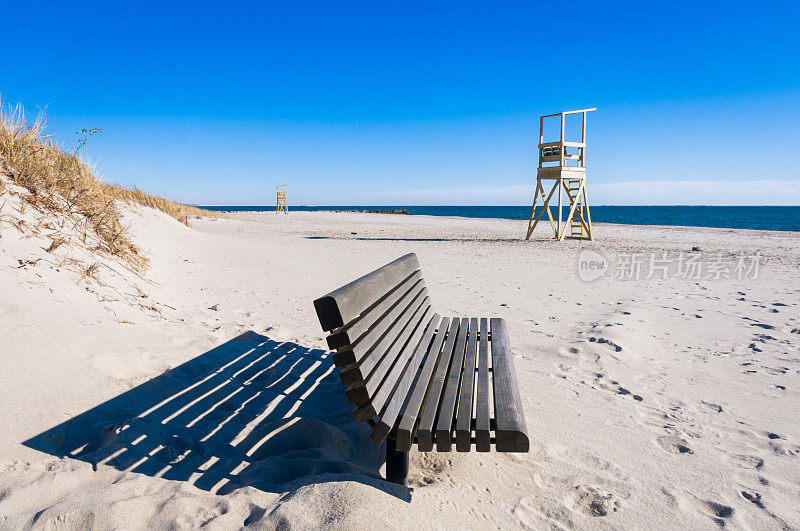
(202, 393)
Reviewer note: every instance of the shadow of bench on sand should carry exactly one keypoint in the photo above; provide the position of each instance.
(250, 412)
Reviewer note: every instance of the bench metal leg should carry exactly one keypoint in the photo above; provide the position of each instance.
(396, 463)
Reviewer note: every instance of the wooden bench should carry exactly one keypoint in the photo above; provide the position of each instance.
(416, 377)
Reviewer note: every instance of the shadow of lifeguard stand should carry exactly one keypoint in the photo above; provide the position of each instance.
(281, 205)
(564, 163)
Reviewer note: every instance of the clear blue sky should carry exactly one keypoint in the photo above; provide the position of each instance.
(416, 102)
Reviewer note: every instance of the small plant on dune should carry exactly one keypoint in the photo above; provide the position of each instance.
(90, 271)
(87, 134)
(55, 244)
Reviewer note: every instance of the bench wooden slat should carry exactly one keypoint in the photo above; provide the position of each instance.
(341, 306)
(465, 398)
(360, 349)
(482, 435)
(350, 334)
(434, 396)
(411, 412)
(394, 404)
(389, 344)
(398, 354)
(511, 432)
(447, 410)
(355, 374)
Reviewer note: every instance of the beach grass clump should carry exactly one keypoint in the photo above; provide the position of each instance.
(63, 184)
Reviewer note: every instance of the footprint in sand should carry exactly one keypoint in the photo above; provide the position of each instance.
(602, 340)
(593, 501)
(607, 384)
(679, 412)
(753, 497)
(711, 407)
(746, 461)
(623, 391)
(541, 513)
(673, 444)
(779, 448)
(427, 468)
(718, 512)
(764, 338)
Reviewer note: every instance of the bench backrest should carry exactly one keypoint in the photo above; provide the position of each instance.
(374, 323)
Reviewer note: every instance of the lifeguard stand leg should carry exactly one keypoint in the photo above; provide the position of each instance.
(545, 208)
(588, 214)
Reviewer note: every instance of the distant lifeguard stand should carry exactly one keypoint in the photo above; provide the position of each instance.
(568, 173)
(281, 205)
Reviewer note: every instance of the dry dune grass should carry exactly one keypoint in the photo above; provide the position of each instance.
(64, 185)
(178, 211)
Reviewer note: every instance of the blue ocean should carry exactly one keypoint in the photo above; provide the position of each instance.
(786, 218)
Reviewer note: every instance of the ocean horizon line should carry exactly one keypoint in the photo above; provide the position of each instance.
(753, 217)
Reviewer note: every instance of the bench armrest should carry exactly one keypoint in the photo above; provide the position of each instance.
(511, 431)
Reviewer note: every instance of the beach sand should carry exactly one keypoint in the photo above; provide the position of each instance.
(201, 392)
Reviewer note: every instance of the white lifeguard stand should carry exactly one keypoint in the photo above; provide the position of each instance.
(568, 173)
(281, 205)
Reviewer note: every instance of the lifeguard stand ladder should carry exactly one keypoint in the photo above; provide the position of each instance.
(556, 164)
(281, 205)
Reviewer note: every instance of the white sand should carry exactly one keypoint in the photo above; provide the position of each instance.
(257, 432)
